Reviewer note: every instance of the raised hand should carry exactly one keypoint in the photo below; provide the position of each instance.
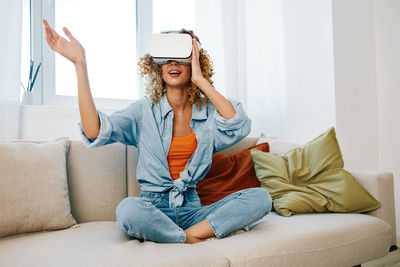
(197, 75)
(72, 50)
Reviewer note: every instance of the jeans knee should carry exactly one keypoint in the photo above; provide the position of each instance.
(127, 209)
(263, 201)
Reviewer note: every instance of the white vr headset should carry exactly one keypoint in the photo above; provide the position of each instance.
(171, 47)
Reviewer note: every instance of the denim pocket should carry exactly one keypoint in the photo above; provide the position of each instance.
(154, 201)
(154, 198)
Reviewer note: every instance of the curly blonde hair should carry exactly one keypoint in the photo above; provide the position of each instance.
(155, 84)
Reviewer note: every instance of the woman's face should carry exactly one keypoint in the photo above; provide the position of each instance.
(176, 75)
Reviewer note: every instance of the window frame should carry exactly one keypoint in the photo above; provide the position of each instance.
(45, 89)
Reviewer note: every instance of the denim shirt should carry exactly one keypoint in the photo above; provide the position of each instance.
(149, 127)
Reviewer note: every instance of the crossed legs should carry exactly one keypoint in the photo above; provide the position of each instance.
(231, 213)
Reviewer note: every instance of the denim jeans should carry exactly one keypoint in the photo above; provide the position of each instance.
(150, 217)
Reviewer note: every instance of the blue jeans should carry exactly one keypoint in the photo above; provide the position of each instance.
(149, 217)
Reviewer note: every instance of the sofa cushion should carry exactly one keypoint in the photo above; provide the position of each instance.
(311, 179)
(229, 174)
(33, 187)
(333, 239)
(277, 146)
(97, 180)
(100, 244)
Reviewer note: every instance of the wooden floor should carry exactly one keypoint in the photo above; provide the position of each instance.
(392, 259)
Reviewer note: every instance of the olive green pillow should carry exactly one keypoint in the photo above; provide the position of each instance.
(311, 179)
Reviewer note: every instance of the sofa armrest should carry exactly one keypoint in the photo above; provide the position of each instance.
(380, 186)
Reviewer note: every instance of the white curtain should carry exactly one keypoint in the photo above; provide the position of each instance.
(276, 57)
(10, 68)
(243, 40)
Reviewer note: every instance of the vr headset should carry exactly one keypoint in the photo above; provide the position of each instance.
(171, 47)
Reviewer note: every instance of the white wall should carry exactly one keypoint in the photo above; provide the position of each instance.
(10, 58)
(50, 122)
(355, 83)
(387, 29)
(366, 47)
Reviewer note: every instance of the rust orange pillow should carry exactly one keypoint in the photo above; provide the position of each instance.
(229, 174)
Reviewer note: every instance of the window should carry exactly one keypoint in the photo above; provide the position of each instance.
(107, 30)
(114, 34)
(25, 46)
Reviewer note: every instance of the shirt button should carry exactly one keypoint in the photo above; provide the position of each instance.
(165, 138)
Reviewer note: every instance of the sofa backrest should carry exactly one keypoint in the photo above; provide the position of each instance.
(96, 180)
(99, 178)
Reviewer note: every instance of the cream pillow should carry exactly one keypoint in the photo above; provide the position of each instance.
(277, 146)
(33, 187)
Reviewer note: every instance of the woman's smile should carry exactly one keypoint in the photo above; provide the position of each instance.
(174, 73)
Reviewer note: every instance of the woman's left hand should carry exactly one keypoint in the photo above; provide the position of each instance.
(197, 75)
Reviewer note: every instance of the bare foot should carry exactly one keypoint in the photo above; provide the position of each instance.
(190, 239)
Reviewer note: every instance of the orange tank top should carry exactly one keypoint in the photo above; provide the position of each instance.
(180, 151)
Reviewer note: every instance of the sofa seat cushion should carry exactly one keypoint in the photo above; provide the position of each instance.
(100, 244)
(332, 239)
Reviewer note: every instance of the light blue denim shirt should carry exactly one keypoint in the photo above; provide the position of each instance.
(149, 127)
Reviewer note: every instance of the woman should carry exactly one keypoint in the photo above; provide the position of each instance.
(176, 131)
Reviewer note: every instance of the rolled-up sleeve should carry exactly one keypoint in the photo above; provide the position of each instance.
(121, 126)
(229, 132)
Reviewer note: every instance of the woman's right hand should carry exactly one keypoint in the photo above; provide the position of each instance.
(72, 50)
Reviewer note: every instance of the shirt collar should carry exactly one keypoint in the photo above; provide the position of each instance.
(197, 114)
(165, 106)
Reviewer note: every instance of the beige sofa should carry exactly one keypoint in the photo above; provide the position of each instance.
(99, 178)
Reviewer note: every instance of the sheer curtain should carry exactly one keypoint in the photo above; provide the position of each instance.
(10, 55)
(276, 57)
(243, 40)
